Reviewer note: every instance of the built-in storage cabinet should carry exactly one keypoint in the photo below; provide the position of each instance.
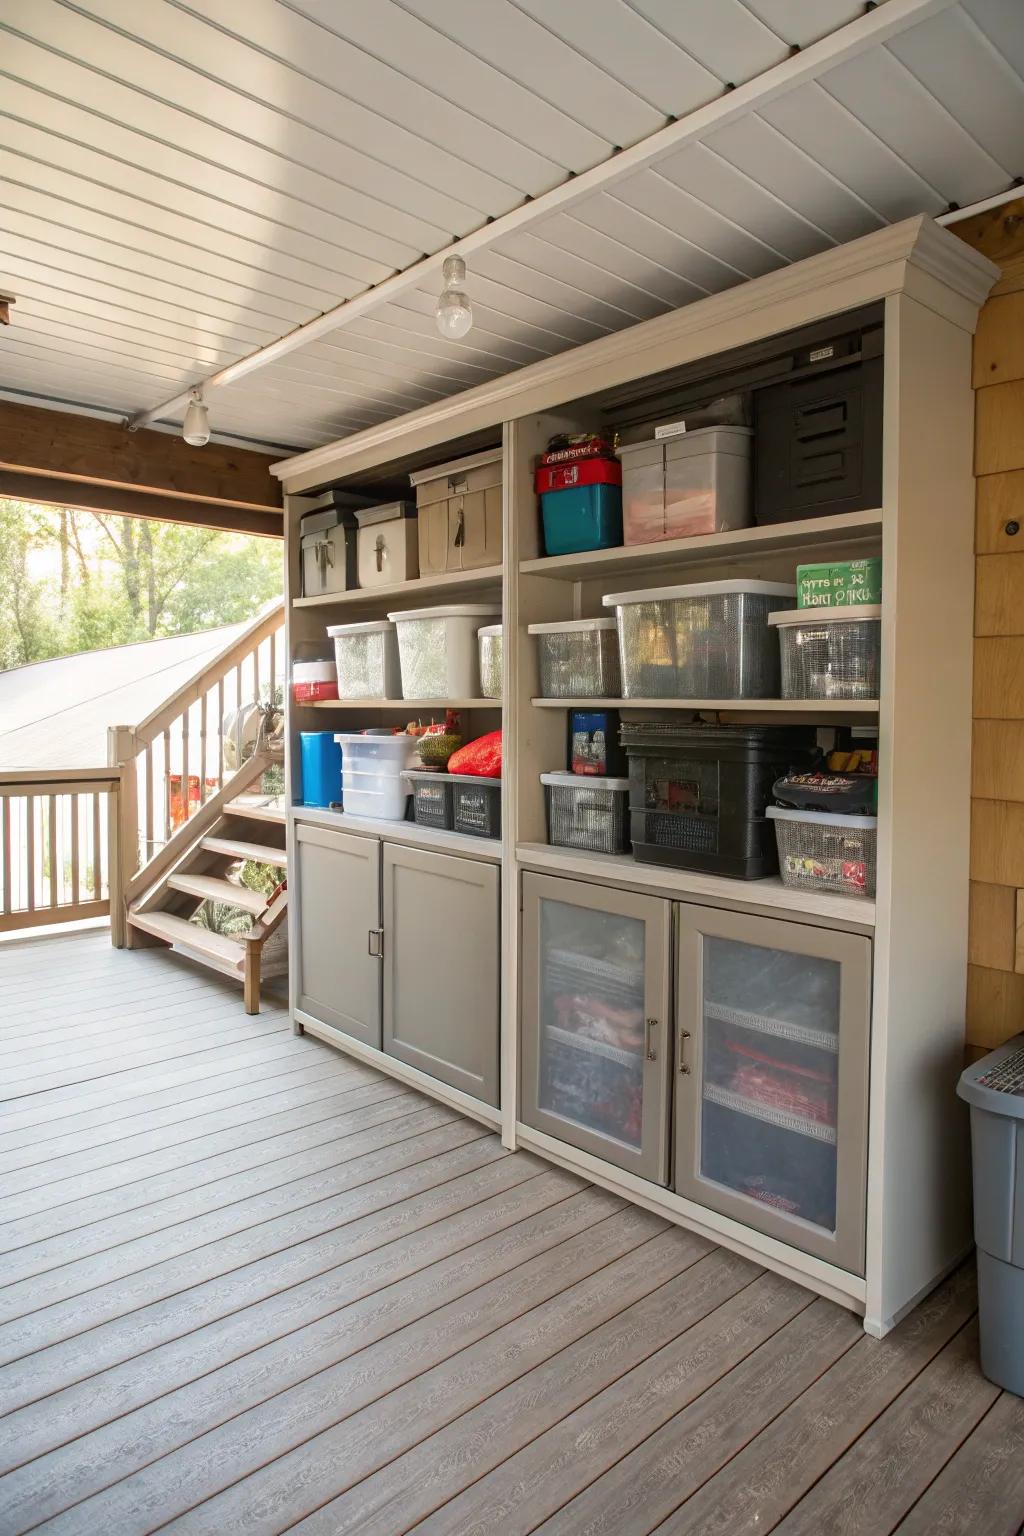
(336, 958)
(596, 1044)
(440, 967)
(772, 1056)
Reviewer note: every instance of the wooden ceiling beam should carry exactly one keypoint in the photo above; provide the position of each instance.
(125, 501)
(35, 441)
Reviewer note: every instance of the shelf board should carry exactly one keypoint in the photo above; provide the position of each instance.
(575, 1042)
(793, 707)
(403, 592)
(678, 884)
(811, 532)
(785, 1120)
(404, 706)
(402, 832)
(780, 1029)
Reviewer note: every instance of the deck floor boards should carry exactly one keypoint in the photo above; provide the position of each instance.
(250, 1285)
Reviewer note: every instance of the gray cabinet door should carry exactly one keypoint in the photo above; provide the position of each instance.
(595, 1046)
(773, 1026)
(338, 896)
(441, 981)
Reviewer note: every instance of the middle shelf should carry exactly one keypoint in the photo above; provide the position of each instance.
(404, 706)
(835, 708)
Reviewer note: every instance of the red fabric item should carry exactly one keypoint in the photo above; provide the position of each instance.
(561, 477)
(481, 757)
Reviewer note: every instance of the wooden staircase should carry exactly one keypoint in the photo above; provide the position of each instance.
(203, 866)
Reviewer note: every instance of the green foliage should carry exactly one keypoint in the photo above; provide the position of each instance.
(255, 876)
(79, 581)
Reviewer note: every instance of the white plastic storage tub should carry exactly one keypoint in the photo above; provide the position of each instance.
(312, 680)
(372, 774)
(709, 640)
(686, 483)
(366, 657)
(587, 813)
(823, 852)
(830, 653)
(491, 661)
(438, 649)
(578, 659)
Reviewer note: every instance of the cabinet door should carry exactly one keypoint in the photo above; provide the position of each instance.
(772, 1057)
(596, 1057)
(338, 879)
(441, 984)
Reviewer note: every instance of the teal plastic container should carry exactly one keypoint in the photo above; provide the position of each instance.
(581, 517)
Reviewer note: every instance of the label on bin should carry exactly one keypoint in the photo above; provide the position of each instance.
(669, 429)
(1007, 1076)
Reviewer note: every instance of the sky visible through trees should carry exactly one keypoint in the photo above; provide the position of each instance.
(80, 581)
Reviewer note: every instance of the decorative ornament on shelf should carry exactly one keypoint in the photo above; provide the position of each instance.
(454, 312)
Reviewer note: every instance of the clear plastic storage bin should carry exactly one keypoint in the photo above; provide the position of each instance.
(821, 852)
(438, 649)
(709, 640)
(587, 813)
(491, 661)
(579, 659)
(366, 657)
(830, 653)
(372, 774)
(693, 483)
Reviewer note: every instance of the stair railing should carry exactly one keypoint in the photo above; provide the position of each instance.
(171, 766)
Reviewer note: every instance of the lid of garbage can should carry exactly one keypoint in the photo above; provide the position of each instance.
(996, 1082)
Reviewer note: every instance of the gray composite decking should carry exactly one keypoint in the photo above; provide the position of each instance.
(249, 1285)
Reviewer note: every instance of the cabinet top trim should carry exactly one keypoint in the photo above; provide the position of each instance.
(872, 267)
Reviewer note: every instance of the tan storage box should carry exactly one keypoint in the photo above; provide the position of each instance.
(386, 544)
(459, 508)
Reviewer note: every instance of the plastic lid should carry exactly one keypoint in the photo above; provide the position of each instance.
(702, 589)
(570, 626)
(457, 466)
(366, 627)
(583, 781)
(361, 737)
(822, 818)
(450, 611)
(490, 629)
(846, 615)
(314, 672)
(689, 435)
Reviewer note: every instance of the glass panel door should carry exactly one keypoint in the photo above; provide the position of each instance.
(773, 1071)
(596, 1053)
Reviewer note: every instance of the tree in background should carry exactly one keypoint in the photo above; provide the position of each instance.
(78, 581)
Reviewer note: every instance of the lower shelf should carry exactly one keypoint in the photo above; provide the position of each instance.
(847, 912)
(784, 1119)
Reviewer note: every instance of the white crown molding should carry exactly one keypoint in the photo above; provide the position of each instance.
(870, 268)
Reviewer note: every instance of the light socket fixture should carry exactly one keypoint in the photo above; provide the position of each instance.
(454, 312)
(195, 429)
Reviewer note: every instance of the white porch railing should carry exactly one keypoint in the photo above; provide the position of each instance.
(58, 835)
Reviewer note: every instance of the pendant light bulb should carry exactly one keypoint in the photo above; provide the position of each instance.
(454, 312)
(195, 429)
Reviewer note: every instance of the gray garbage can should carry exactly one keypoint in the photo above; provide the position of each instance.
(994, 1088)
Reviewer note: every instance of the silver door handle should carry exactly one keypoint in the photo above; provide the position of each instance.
(652, 1047)
(684, 1035)
(375, 943)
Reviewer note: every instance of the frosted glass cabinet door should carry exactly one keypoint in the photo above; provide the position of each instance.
(772, 1079)
(596, 1051)
(337, 896)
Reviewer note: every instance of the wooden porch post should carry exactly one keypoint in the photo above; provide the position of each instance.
(123, 830)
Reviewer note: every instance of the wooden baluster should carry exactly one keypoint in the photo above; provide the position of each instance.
(76, 866)
(220, 733)
(149, 801)
(256, 674)
(5, 845)
(30, 852)
(167, 785)
(51, 830)
(97, 849)
(202, 750)
(273, 665)
(184, 767)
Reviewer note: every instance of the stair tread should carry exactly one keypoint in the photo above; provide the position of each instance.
(259, 808)
(177, 930)
(238, 849)
(213, 888)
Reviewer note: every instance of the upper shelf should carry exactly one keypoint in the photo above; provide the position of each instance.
(811, 532)
(448, 584)
(840, 707)
(405, 706)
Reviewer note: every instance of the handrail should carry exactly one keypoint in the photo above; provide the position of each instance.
(191, 691)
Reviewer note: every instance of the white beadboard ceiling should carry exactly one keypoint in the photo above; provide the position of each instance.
(185, 182)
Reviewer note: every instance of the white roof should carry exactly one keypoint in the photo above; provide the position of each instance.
(55, 714)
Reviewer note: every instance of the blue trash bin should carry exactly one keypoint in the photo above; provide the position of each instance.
(320, 757)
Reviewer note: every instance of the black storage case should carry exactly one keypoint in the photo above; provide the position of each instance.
(818, 436)
(698, 793)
